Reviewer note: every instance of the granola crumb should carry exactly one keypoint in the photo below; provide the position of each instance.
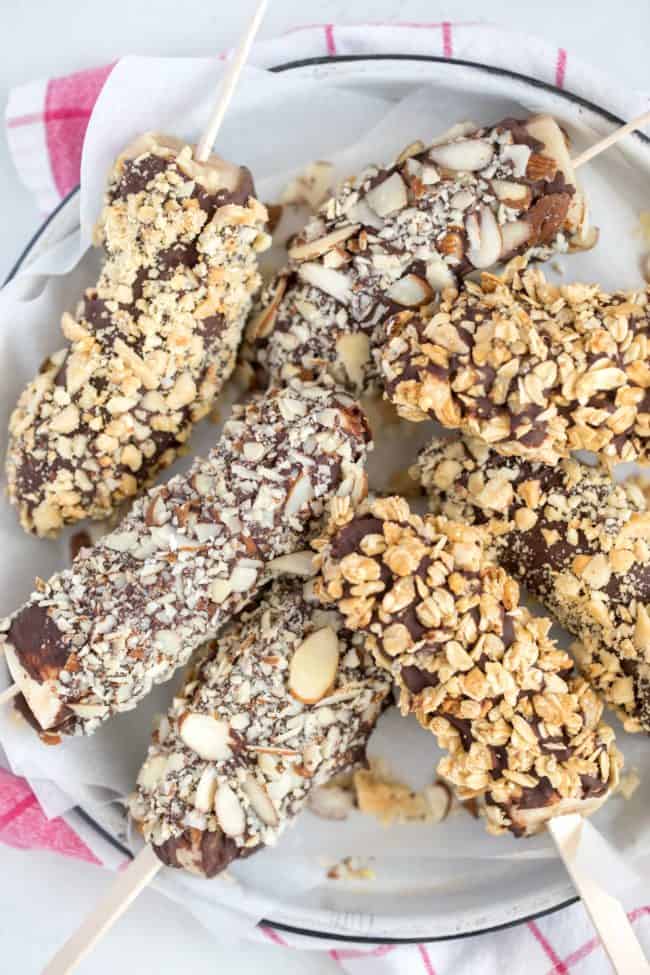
(392, 802)
(351, 868)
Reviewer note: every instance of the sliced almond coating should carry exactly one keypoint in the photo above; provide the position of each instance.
(361, 213)
(261, 325)
(462, 199)
(576, 222)
(312, 249)
(152, 772)
(466, 156)
(410, 291)
(156, 513)
(439, 274)
(353, 349)
(541, 167)
(513, 194)
(206, 789)
(313, 666)
(545, 129)
(513, 236)
(219, 590)
(300, 494)
(229, 811)
(205, 735)
(168, 641)
(412, 149)
(430, 175)
(457, 131)
(485, 238)
(518, 155)
(332, 282)
(260, 801)
(388, 196)
(89, 711)
(243, 577)
(204, 484)
(295, 564)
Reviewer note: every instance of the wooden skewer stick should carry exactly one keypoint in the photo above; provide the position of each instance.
(227, 87)
(606, 912)
(611, 139)
(128, 884)
(8, 694)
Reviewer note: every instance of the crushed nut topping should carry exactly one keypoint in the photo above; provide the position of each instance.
(380, 794)
(393, 237)
(576, 539)
(231, 784)
(520, 731)
(533, 369)
(150, 346)
(93, 640)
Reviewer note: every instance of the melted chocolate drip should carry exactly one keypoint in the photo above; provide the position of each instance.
(347, 540)
(40, 645)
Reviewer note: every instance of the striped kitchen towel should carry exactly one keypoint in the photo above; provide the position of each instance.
(46, 120)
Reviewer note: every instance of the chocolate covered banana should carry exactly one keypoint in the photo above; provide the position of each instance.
(520, 731)
(150, 346)
(392, 238)
(535, 370)
(576, 540)
(284, 700)
(92, 641)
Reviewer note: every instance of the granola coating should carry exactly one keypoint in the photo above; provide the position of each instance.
(238, 753)
(396, 235)
(150, 346)
(576, 540)
(533, 369)
(92, 640)
(473, 665)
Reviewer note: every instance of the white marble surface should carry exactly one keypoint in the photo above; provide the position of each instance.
(42, 897)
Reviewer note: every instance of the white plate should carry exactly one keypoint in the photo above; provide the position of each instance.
(407, 900)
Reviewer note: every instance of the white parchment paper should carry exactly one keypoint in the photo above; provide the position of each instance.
(277, 124)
